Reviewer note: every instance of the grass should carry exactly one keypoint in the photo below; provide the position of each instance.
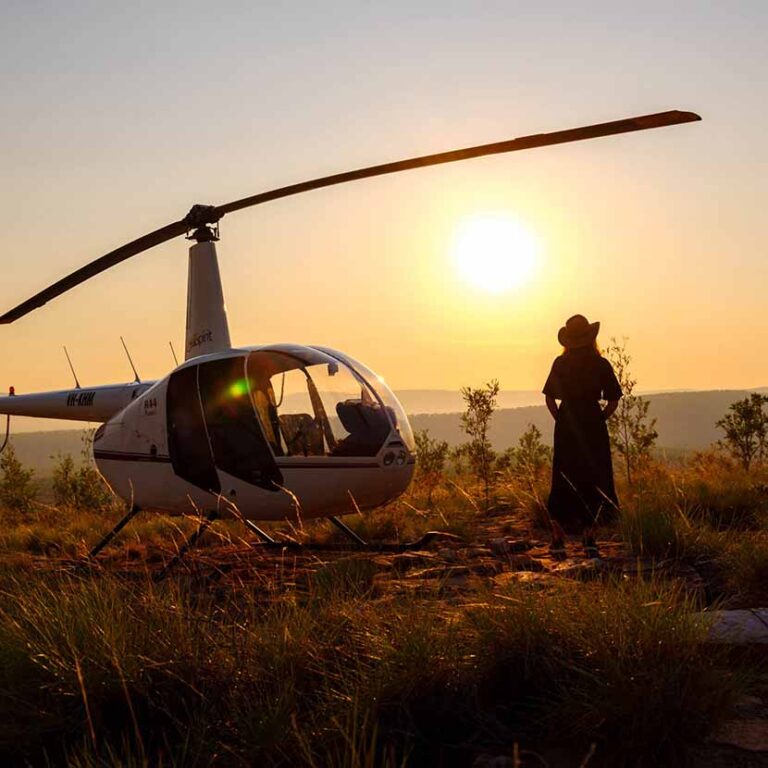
(100, 669)
(707, 514)
(654, 523)
(329, 669)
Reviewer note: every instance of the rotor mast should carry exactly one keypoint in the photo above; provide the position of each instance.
(207, 327)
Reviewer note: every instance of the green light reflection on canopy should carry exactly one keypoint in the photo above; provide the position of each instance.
(238, 388)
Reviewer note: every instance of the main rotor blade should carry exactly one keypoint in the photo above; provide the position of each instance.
(658, 120)
(94, 268)
(200, 216)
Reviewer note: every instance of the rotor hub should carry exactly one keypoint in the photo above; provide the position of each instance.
(203, 223)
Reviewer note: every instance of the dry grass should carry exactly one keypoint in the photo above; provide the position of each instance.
(707, 513)
(101, 670)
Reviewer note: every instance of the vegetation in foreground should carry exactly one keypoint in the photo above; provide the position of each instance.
(331, 662)
(332, 669)
(102, 670)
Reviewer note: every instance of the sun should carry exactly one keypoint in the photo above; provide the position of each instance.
(495, 252)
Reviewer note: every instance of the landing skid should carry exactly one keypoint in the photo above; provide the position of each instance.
(186, 546)
(357, 543)
(204, 524)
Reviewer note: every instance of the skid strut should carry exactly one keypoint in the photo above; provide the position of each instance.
(344, 528)
(205, 522)
(111, 535)
(260, 532)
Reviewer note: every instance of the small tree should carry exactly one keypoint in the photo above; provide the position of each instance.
(17, 489)
(746, 429)
(431, 456)
(83, 486)
(476, 422)
(529, 457)
(633, 434)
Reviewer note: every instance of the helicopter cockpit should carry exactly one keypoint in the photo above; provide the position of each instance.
(249, 414)
(313, 404)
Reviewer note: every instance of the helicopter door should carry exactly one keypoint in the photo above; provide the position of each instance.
(187, 439)
(237, 441)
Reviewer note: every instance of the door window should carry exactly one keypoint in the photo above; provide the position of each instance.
(237, 441)
(188, 444)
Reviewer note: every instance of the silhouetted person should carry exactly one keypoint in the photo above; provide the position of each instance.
(583, 493)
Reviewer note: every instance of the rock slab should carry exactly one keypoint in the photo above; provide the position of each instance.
(742, 627)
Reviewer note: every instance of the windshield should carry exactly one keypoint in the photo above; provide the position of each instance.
(384, 393)
(311, 404)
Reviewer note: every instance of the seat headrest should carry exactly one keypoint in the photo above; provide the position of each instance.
(356, 416)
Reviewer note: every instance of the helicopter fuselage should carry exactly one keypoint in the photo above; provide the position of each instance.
(266, 433)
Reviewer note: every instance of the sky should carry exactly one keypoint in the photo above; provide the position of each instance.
(117, 117)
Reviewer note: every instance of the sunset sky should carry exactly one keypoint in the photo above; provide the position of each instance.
(117, 117)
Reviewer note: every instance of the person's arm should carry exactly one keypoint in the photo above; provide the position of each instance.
(610, 407)
(552, 405)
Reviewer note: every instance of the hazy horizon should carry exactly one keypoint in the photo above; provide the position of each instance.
(416, 402)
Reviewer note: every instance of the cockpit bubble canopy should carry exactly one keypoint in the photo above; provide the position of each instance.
(311, 403)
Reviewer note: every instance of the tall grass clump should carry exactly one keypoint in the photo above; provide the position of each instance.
(622, 666)
(743, 566)
(735, 502)
(722, 495)
(653, 527)
(652, 518)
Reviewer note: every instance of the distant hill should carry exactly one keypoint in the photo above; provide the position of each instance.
(40, 450)
(685, 421)
(449, 401)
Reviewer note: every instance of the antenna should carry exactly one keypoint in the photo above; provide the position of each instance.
(128, 355)
(173, 352)
(72, 368)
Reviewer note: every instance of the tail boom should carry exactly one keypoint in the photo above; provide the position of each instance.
(95, 404)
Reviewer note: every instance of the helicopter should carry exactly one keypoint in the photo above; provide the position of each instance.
(263, 433)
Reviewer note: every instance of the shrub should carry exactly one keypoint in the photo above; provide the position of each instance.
(17, 490)
(633, 432)
(79, 487)
(746, 429)
(529, 458)
(431, 456)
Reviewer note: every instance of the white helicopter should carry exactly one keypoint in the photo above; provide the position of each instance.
(266, 432)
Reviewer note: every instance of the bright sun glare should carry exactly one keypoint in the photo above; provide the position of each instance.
(494, 252)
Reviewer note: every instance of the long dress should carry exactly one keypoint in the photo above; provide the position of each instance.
(583, 491)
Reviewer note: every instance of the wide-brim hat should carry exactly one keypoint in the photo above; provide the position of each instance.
(578, 332)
